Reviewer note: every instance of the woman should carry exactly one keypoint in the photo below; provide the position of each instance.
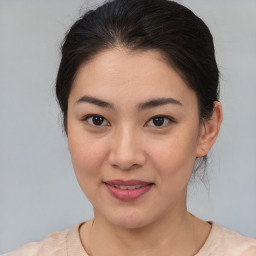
(138, 88)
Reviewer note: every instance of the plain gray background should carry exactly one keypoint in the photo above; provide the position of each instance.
(38, 190)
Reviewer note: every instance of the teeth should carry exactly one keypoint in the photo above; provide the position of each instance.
(127, 187)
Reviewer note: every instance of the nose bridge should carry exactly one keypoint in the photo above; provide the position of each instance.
(126, 150)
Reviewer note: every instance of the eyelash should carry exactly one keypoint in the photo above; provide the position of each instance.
(87, 117)
(167, 119)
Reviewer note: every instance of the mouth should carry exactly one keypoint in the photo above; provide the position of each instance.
(128, 190)
(128, 187)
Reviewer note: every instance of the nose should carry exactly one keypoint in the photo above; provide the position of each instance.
(126, 151)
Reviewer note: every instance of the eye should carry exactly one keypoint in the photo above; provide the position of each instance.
(96, 120)
(159, 121)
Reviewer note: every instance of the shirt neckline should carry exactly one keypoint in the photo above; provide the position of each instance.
(75, 247)
(74, 244)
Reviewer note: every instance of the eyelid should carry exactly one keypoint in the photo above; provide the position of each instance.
(86, 117)
(169, 118)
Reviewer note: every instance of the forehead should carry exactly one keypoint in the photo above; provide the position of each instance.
(118, 73)
(121, 63)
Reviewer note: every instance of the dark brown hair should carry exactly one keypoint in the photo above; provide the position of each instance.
(183, 39)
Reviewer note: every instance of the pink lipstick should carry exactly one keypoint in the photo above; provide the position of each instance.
(128, 190)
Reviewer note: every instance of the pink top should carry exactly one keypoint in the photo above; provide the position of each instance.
(220, 242)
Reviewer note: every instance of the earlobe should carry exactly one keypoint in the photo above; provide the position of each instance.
(209, 131)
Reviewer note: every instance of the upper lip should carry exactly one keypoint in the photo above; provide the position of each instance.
(127, 182)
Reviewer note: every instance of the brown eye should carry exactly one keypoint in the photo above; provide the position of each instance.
(159, 121)
(96, 120)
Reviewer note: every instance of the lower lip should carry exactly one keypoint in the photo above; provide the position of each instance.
(128, 194)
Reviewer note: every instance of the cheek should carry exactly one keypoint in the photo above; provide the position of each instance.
(174, 157)
(87, 156)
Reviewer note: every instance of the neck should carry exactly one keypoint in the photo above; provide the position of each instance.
(179, 234)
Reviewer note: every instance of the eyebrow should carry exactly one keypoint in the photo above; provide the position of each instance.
(95, 101)
(142, 106)
(158, 102)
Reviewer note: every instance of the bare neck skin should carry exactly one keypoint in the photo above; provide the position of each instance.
(173, 234)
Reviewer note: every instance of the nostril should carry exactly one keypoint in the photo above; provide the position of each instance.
(126, 154)
(125, 161)
(126, 166)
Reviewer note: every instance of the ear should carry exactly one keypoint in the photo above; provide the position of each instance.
(209, 131)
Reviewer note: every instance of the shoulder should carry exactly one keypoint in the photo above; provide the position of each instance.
(222, 241)
(53, 245)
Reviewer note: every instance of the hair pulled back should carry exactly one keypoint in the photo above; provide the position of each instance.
(183, 39)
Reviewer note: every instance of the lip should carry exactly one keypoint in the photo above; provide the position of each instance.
(128, 194)
(127, 182)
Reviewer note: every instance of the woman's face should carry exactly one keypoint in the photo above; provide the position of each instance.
(133, 132)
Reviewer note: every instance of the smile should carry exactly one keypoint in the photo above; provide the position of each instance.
(127, 187)
(127, 190)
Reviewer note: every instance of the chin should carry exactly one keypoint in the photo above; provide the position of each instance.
(128, 220)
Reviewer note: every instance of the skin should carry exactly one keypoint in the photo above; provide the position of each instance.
(128, 145)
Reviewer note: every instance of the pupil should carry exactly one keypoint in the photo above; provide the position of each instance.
(158, 121)
(98, 120)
